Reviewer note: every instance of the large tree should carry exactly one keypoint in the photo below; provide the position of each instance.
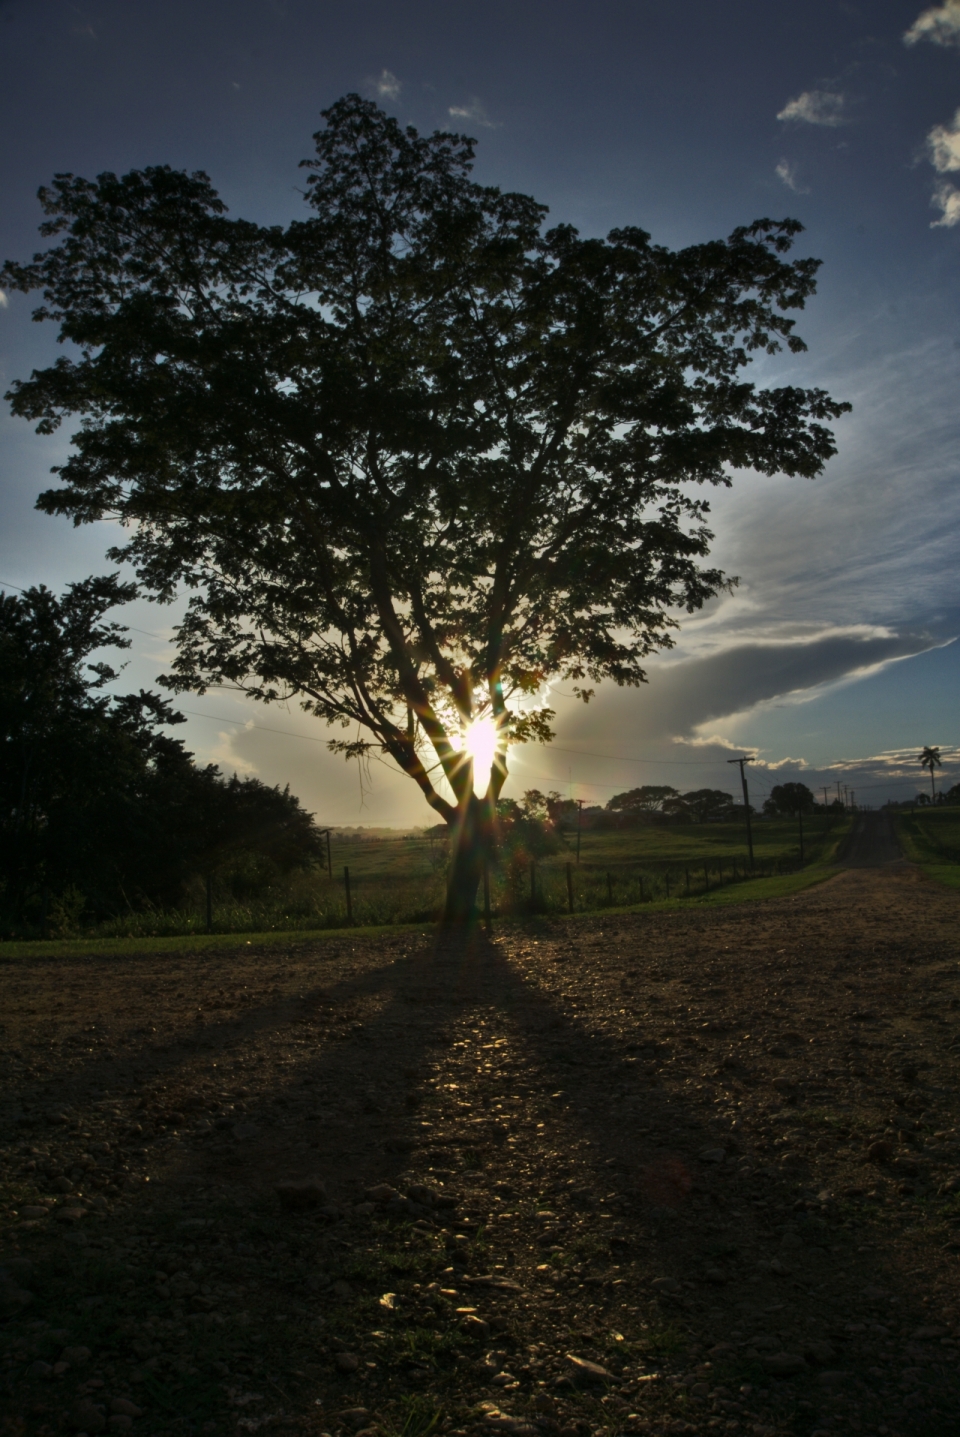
(416, 455)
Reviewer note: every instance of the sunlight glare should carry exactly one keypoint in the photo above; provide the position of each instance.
(480, 742)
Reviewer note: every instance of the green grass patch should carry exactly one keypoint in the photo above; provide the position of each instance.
(931, 839)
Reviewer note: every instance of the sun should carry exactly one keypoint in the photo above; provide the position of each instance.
(480, 742)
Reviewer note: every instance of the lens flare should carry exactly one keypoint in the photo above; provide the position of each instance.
(480, 742)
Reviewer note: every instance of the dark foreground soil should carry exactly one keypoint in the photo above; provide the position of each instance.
(713, 1153)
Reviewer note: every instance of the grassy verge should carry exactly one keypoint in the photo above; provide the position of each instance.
(932, 841)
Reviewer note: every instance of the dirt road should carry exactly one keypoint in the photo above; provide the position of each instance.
(713, 1153)
(871, 843)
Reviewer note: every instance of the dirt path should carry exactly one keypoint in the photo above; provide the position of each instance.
(712, 1152)
(872, 843)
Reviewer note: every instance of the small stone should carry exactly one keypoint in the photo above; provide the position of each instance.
(880, 1151)
(389, 1301)
(40, 1369)
(294, 1196)
(715, 1274)
(346, 1362)
(341, 1290)
(355, 1417)
(665, 1284)
(70, 1214)
(120, 1422)
(712, 1155)
(584, 1371)
(31, 1212)
(89, 1416)
(784, 1364)
(831, 1378)
(381, 1192)
(700, 1389)
(245, 1132)
(56, 1120)
(123, 1407)
(76, 1356)
(365, 1209)
(473, 1326)
(778, 1267)
(19, 1268)
(722, 1349)
(820, 1352)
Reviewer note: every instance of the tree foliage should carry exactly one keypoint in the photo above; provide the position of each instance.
(416, 454)
(787, 798)
(94, 796)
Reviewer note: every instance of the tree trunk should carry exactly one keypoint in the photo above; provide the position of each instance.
(472, 833)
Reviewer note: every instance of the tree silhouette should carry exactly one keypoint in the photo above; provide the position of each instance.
(416, 455)
(930, 758)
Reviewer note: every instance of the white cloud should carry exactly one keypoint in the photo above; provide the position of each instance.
(224, 752)
(943, 143)
(3, 300)
(788, 173)
(940, 25)
(474, 111)
(815, 107)
(947, 198)
(388, 86)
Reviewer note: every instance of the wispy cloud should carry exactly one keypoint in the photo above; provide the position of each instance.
(940, 25)
(3, 300)
(943, 145)
(787, 172)
(816, 107)
(387, 86)
(474, 112)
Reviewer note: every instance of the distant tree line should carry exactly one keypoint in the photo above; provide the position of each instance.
(101, 811)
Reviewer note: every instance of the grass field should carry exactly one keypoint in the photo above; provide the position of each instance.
(932, 839)
(400, 882)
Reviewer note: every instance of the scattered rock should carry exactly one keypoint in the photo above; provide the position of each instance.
(245, 1132)
(89, 1416)
(70, 1214)
(712, 1155)
(819, 1352)
(346, 1362)
(355, 1417)
(381, 1192)
(831, 1378)
(76, 1356)
(31, 1212)
(305, 1193)
(880, 1151)
(722, 1350)
(584, 1371)
(40, 1369)
(341, 1290)
(120, 1422)
(785, 1364)
(123, 1407)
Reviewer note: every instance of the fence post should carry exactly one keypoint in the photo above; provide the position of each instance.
(688, 882)
(609, 890)
(486, 893)
(666, 882)
(642, 900)
(570, 885)
(346, 884)
(706, 879)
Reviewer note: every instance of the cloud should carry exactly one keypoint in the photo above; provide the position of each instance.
(224, 752)
(940, 25)
(943, 145)
(816, 107)
(387, 86)
(474, 111)
(3, 300)
(788, 173)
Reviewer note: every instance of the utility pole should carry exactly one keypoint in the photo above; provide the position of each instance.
(746, 801)
(826, 802)
(839, 799)
(580, 802)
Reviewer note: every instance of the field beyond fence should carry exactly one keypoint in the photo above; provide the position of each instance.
(395, 880)
(931, 837)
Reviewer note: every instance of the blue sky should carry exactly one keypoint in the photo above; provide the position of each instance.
(836, 657)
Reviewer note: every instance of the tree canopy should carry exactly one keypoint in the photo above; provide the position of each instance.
(790, 798)
(416, 454)
(95, 797)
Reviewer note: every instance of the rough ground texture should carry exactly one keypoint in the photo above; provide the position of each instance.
(713, 1153)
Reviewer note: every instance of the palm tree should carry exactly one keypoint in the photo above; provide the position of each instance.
(930, 758)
